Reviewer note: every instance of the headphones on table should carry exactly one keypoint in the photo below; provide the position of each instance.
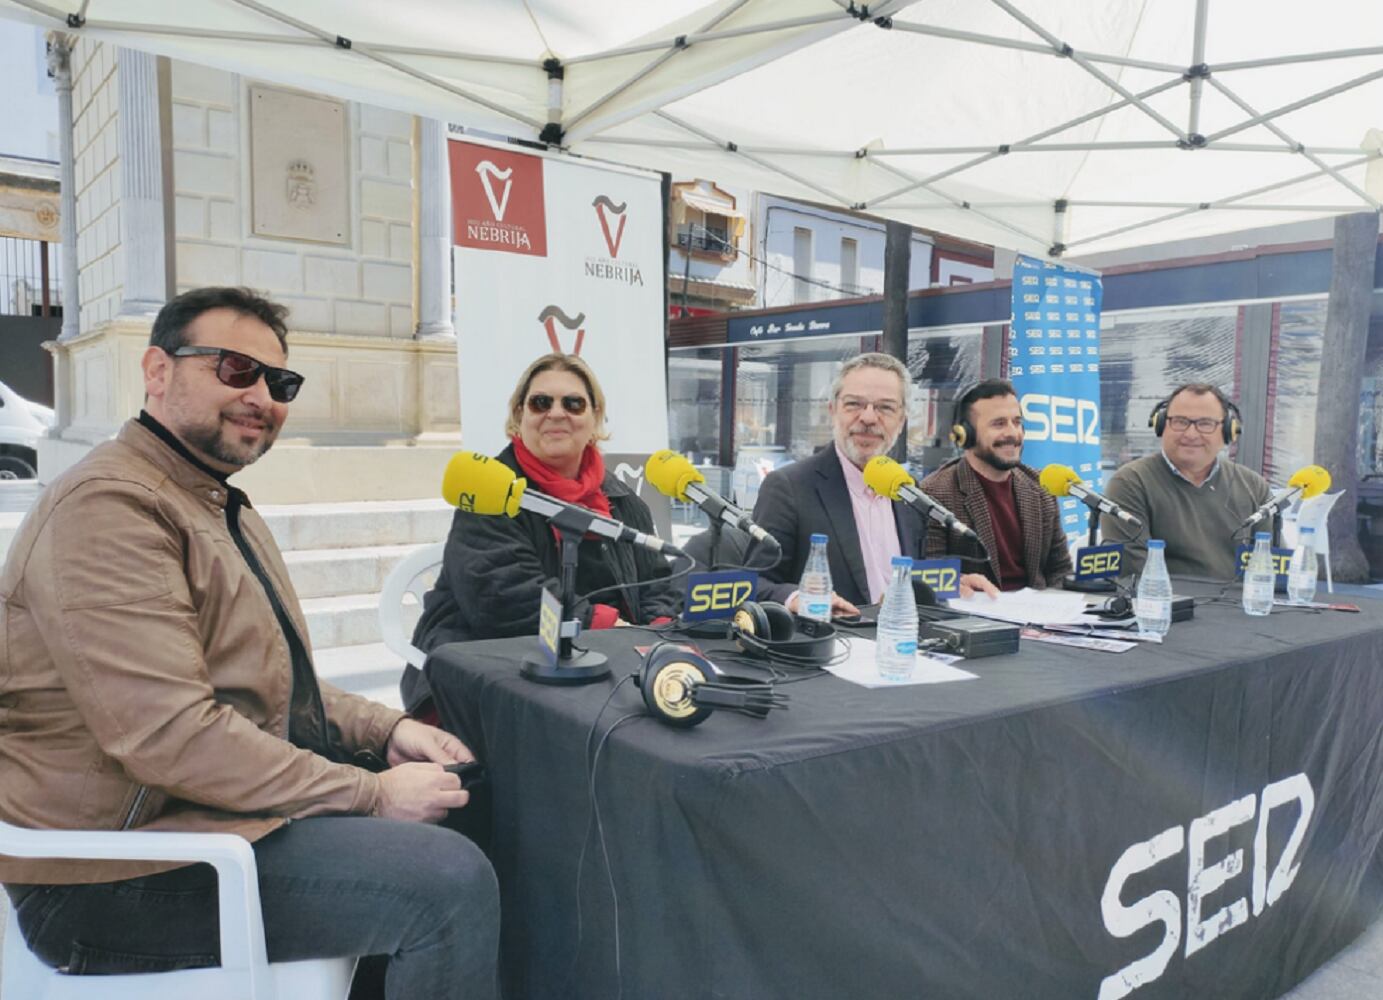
(769, 630)
(1230, 428)
(681, 688)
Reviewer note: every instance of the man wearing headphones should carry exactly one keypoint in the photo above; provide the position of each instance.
(1190, 495)
(1000, 498)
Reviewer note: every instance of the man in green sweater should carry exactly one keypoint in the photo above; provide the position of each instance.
(1190, 495)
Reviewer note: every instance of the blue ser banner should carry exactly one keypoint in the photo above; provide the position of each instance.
(1054, 363)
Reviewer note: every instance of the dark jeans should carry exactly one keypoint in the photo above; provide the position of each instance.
(329, 886)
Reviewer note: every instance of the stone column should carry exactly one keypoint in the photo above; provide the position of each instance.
(143, 241)
(60, 65)
(434, 233)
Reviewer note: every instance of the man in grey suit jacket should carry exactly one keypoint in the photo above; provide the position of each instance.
(826, 493)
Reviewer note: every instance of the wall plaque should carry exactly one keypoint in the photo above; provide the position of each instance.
(299, 167)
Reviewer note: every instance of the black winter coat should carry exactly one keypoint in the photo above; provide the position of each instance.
(494, 568)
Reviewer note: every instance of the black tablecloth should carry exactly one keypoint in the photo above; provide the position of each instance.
(953, 840)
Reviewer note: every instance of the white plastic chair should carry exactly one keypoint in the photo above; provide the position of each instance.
(414, 575)
(244, 972)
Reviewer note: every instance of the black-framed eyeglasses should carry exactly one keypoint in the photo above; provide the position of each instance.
(1203, 424)
(541, 402)
(240, 371)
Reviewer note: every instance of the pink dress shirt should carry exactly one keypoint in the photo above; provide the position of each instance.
(877, 529)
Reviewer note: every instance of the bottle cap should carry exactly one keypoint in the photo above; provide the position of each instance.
(1156, 543)
(1261, 536)
(818, 538)
(902, 561)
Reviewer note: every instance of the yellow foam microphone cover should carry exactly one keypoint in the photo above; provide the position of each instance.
(1057, 479)
(1313, 481)
(482, 485)
(886, 477)
(671, 473)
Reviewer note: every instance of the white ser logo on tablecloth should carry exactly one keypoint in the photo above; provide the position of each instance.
(1164, 906)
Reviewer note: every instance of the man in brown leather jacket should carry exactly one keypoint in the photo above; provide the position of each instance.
(155, 673)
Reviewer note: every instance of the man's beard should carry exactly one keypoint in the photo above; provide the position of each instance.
(210, 440)
(852, 451)
(989, 458)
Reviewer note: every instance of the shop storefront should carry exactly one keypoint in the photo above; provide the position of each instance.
(748, 390)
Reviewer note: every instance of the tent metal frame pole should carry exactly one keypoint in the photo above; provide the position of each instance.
(956, 203)
(696, 38)
(1086, 65)
(1226, 208)
(1036, 136)
(978, 205)
(1295, 146)
(1373, 50)
(1055, 147)
(1222, 203)
(1358, 81)
(331, 39)
(1014, 43)
(647, 69)
(1193, 118)
(730, 147)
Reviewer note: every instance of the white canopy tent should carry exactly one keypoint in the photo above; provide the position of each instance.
(1073, 126)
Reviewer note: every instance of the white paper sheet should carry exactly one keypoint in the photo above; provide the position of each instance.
(1026, 607)
(860, 668)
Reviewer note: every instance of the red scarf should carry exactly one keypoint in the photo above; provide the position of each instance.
(584, 489)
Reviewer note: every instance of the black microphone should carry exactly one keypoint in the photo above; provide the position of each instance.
(1061, 480)
(673, 476)
(889, 479)
(1309, 482)
(483, 485)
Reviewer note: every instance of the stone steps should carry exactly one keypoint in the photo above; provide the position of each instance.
(338, 572)
(301, 527)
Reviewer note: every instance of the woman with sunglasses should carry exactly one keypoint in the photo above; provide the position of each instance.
(495, 568)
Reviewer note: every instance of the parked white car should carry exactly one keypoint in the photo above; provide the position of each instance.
(22, 423)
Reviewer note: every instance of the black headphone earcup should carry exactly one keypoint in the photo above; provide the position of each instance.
(782, 624)
(667, 678)
(1157, 420)
(1234, 426)
(749, 625)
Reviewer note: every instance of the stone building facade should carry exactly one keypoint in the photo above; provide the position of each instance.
(184, 176)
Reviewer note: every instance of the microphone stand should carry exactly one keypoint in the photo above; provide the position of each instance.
(1105, 586)
(573, 666)
(713, 558)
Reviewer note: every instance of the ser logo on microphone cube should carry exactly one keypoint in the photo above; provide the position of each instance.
(1099, 562)
(1282, 559)
(716, 595)
(942, 575)
(466, 502)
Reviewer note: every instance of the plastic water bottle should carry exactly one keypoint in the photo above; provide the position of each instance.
(814, 591)
(1301, 575)
(1259, 577)
(895, 642)
(1152, 605)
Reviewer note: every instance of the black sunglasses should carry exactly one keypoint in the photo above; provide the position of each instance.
(541, 402)
(240, 371)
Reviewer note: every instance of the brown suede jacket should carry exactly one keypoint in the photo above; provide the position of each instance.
(144, 679)
(957, 487)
